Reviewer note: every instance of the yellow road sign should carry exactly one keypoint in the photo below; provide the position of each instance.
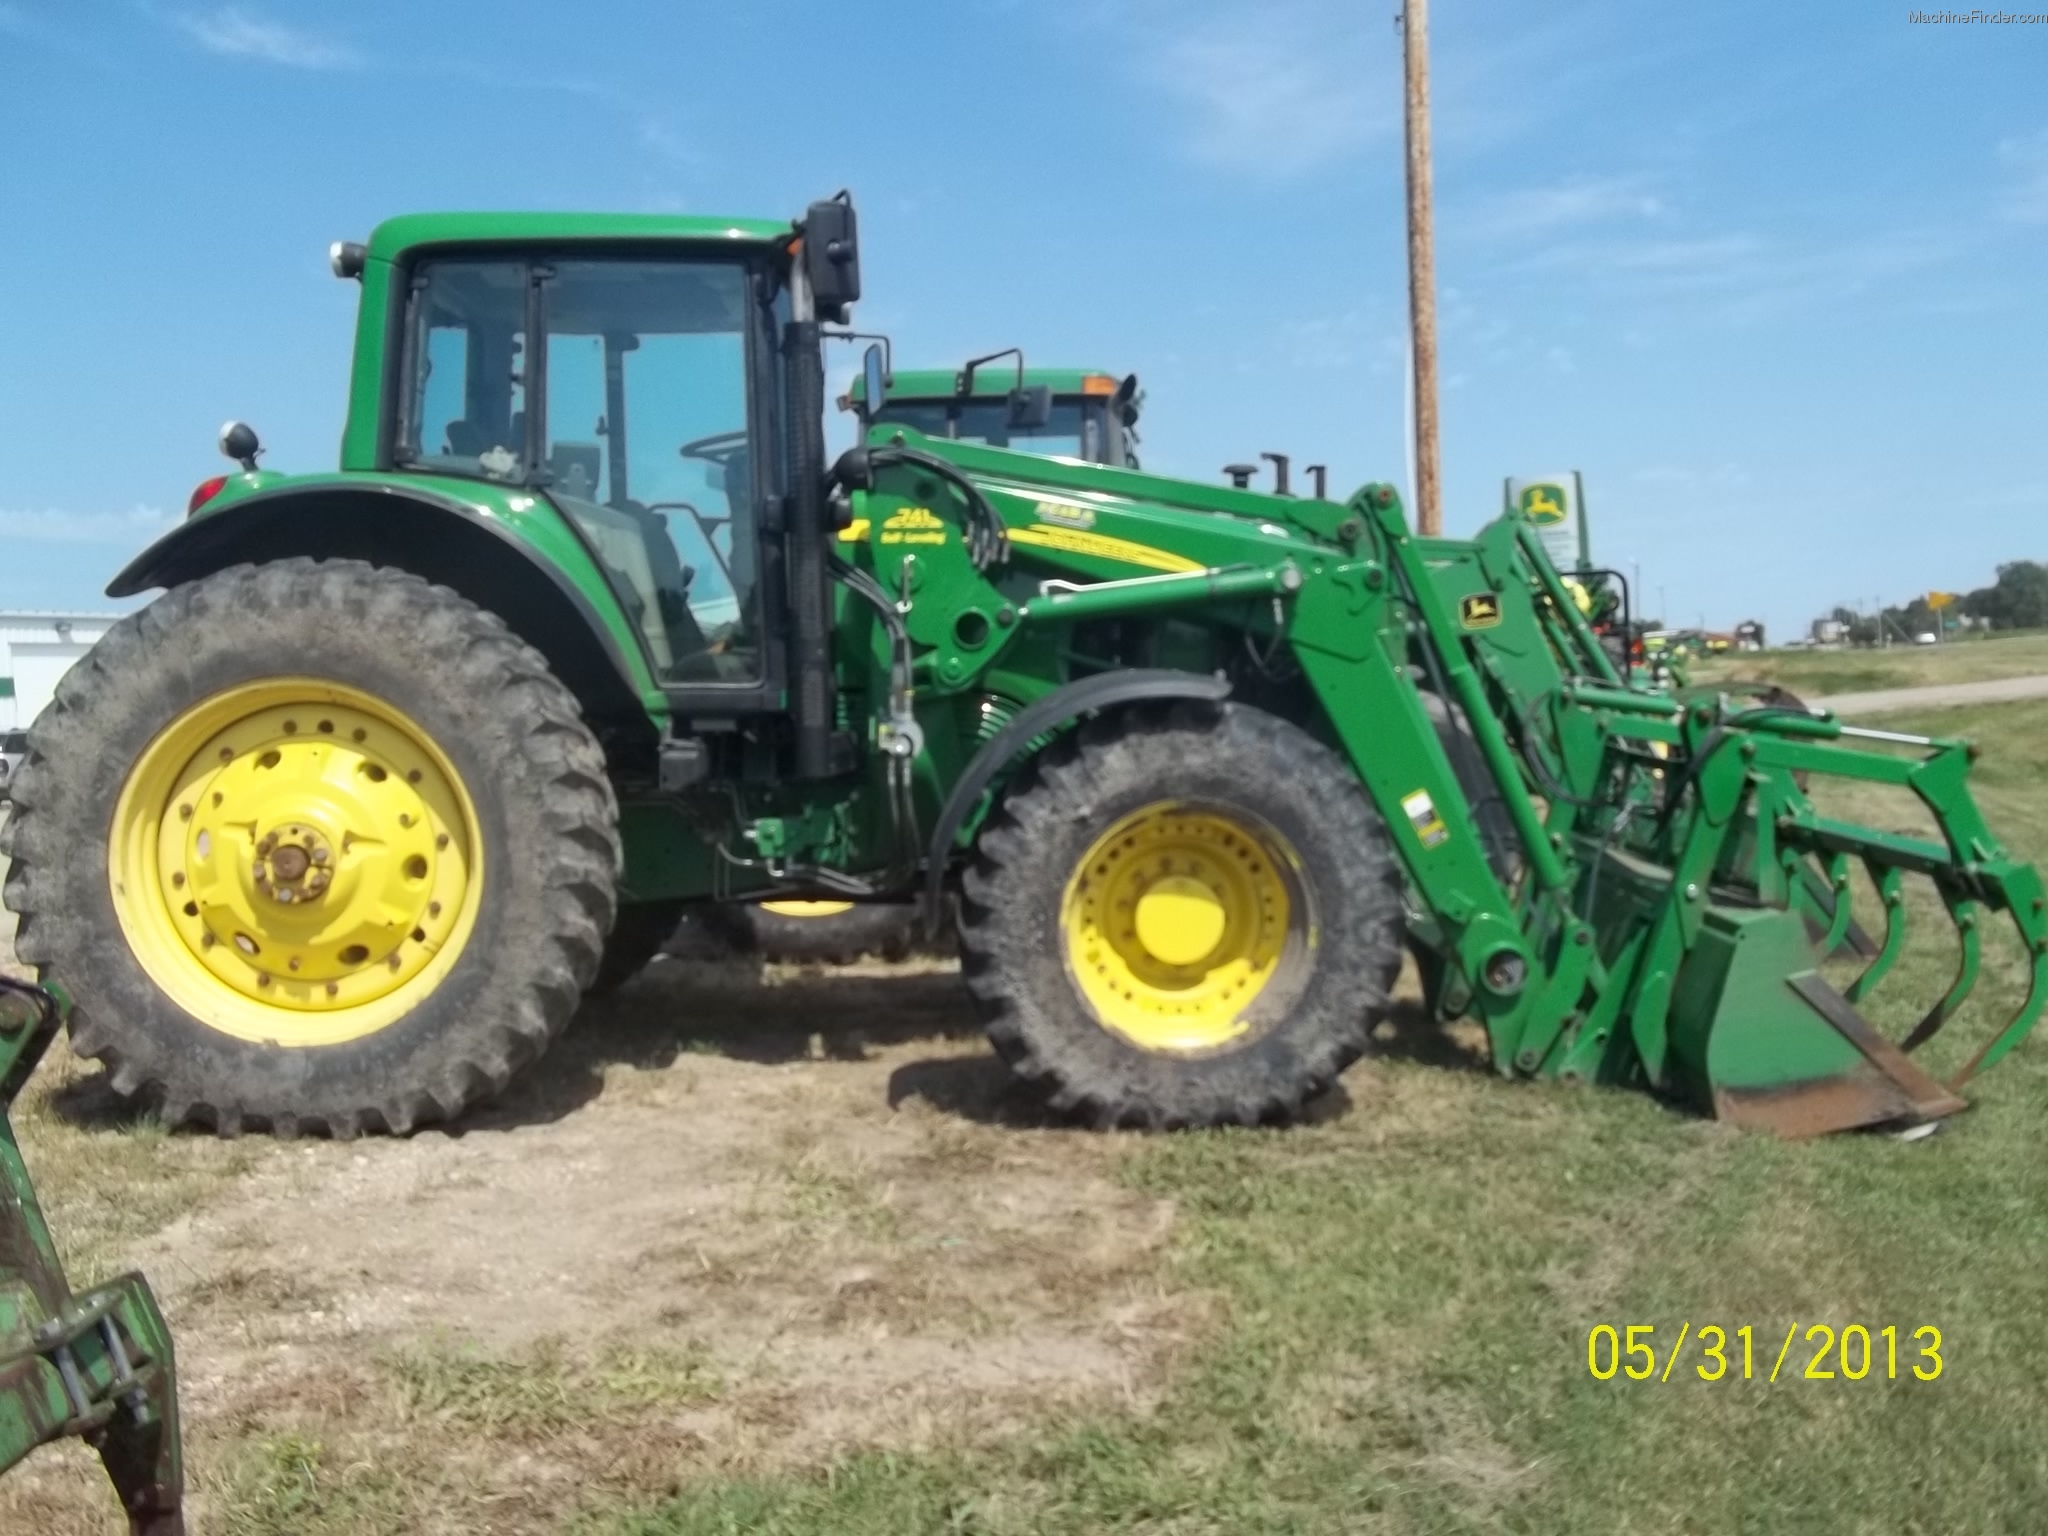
(1940, 599)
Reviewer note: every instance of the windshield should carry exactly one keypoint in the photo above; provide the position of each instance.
(645, 439)
(1077, 428)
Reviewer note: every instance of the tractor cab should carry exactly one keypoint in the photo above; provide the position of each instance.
(1071, 413)
(619, 387)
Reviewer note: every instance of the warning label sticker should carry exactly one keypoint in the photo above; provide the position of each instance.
(1422, 812)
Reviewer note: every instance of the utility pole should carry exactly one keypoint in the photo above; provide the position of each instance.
(1429, 518)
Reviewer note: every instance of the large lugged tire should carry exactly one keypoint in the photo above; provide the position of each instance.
(817, 932)
(1181, 918)
(314, 846)
(639, 933)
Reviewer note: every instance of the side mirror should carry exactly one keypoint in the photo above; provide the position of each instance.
(238, 441)
(874, 381)
(831, 257)
(1030, 409)
(1125, 401)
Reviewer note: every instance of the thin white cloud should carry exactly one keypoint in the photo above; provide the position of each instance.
(48, 525)
(2026, 200)
(669, 144)
(1279, 88)
(236, 33)
(1740, 277)
(1569, 204)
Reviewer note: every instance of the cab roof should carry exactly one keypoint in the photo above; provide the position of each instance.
(395, 236)
(993, 379)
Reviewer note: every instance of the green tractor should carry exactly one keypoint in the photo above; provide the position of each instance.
(1071, 413)
(334, 834)
(95, 1365)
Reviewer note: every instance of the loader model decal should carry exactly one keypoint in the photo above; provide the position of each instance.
(1073, 541)
(1479, 611)
(1065, 513)
(914, 525)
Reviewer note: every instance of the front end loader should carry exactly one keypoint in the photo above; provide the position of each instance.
(96, 1365)
(409, 754)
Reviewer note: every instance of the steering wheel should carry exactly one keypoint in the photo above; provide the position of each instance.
(717, 447)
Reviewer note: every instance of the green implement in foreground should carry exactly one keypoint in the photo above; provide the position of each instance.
(411, 753)
(96, 1365)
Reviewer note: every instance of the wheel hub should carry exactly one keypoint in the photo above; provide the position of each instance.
(292, 865)
(1174, 923)
(298, 846)
(1181, 918)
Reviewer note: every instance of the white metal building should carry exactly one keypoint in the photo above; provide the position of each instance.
(36, 649)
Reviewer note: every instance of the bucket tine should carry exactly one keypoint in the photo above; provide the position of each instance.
(1965, 914)
(2016, 1028)
(1888, 879)
(1815, 887)
(1838, 880)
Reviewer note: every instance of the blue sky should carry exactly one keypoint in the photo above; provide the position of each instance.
(1772, 277)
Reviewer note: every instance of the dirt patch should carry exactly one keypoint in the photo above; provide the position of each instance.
(734, 1220)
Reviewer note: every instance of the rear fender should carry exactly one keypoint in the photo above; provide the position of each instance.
(446, 541)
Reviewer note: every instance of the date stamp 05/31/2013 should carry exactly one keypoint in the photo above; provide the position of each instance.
(1634, 1352)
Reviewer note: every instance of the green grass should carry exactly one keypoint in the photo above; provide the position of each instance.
(1899, 666)
(1406, 1293)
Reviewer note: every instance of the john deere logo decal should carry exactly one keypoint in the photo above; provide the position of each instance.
(1479, 611)
(1543, 505)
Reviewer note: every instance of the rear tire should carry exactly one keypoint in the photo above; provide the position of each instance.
(1223, 799)
(329, 677)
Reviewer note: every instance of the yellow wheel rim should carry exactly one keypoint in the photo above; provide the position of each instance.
(295, 862)
(1177, 923)
(807, 908)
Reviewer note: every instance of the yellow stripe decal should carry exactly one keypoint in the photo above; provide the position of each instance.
(1073, 541)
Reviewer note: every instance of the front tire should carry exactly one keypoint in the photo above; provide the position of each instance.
(314, 846)
(1183, 918)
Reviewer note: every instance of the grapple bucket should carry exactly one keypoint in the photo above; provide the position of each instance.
(1759, 1037)
(1754, 1031)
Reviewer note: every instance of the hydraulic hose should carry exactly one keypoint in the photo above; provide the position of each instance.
(988, 541)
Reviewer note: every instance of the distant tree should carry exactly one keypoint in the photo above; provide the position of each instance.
(2017, 600)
